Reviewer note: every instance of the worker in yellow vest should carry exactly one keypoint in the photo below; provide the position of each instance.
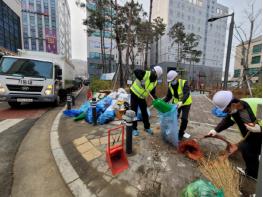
(144, 85)
(242, 112)
(179, 92)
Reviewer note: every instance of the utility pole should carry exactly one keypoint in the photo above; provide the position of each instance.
(229, 46)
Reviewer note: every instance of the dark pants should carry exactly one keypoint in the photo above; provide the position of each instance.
(135, 102)
(184, 119)
(251, 149)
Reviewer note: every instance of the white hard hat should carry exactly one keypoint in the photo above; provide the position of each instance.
(171, 75)
(221, 99)
(158, 70)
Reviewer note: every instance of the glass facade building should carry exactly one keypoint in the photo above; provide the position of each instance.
(45, 25)
(10, 29)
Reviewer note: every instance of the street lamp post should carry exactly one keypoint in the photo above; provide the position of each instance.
(229, 45)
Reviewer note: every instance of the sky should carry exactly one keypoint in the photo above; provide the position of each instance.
(78, 34)
(79, 40)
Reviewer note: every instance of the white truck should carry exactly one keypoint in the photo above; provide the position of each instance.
(35, 77)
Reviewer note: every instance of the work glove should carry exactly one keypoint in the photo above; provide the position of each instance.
(179, 104)
(255, 129)
(212, 133)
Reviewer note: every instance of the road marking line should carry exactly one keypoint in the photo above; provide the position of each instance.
(6, 124)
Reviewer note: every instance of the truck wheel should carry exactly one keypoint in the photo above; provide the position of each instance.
(14, 104)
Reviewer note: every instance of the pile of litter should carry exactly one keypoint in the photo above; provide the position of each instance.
(109, 106)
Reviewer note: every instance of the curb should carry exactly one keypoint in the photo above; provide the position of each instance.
(68, 173)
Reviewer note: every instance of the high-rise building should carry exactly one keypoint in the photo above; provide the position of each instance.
(194, 15)
(46, 26)
(10, 25)
(254, 71)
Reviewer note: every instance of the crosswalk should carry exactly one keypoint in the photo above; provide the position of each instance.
(6, 124)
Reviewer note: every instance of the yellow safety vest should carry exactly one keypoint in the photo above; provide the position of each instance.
(141, 92)
(180, 93)
(253, 103)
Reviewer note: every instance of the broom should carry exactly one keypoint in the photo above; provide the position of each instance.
(222, 174)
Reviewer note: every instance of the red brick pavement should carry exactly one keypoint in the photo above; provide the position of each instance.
(21, 113)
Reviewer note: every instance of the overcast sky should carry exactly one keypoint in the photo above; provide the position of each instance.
(79, 41)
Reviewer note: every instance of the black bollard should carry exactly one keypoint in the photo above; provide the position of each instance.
(94, 113)
(73, 100)
(129, 118)
(69, 101)
(129, 137)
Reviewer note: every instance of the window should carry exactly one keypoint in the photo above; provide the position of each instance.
(254, 71)
(255, 60)
(94, 55)
(257, 48)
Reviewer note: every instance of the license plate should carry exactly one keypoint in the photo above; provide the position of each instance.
(24, 100)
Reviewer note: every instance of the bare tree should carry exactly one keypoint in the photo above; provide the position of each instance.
(245, 38)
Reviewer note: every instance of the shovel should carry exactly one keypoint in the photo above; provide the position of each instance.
(160, 105)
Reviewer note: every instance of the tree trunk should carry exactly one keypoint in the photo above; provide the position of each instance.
(147, 43)
(101, 49)
(245, 78)
(156, 52)
(118, 42)
(128, 44)
(178, 54)
(110, 41)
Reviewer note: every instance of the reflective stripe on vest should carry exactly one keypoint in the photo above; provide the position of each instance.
(141, 92)
(180, 93)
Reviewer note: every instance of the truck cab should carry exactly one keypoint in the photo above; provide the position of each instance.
(29, 80)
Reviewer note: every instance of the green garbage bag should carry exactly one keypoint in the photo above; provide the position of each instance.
(201, 188)
(80, 116)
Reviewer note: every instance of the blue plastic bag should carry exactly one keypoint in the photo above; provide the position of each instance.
(89, 115)
(218, 113)
(72, 112)
(139, 114)
(106, 117)
(75, 112)
(101, 106)
(85, 106)
(169, 126)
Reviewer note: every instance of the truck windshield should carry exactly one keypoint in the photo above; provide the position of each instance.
(26, 68)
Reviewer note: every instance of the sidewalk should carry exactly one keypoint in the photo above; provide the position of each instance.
(155, 168)
(35, 171)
